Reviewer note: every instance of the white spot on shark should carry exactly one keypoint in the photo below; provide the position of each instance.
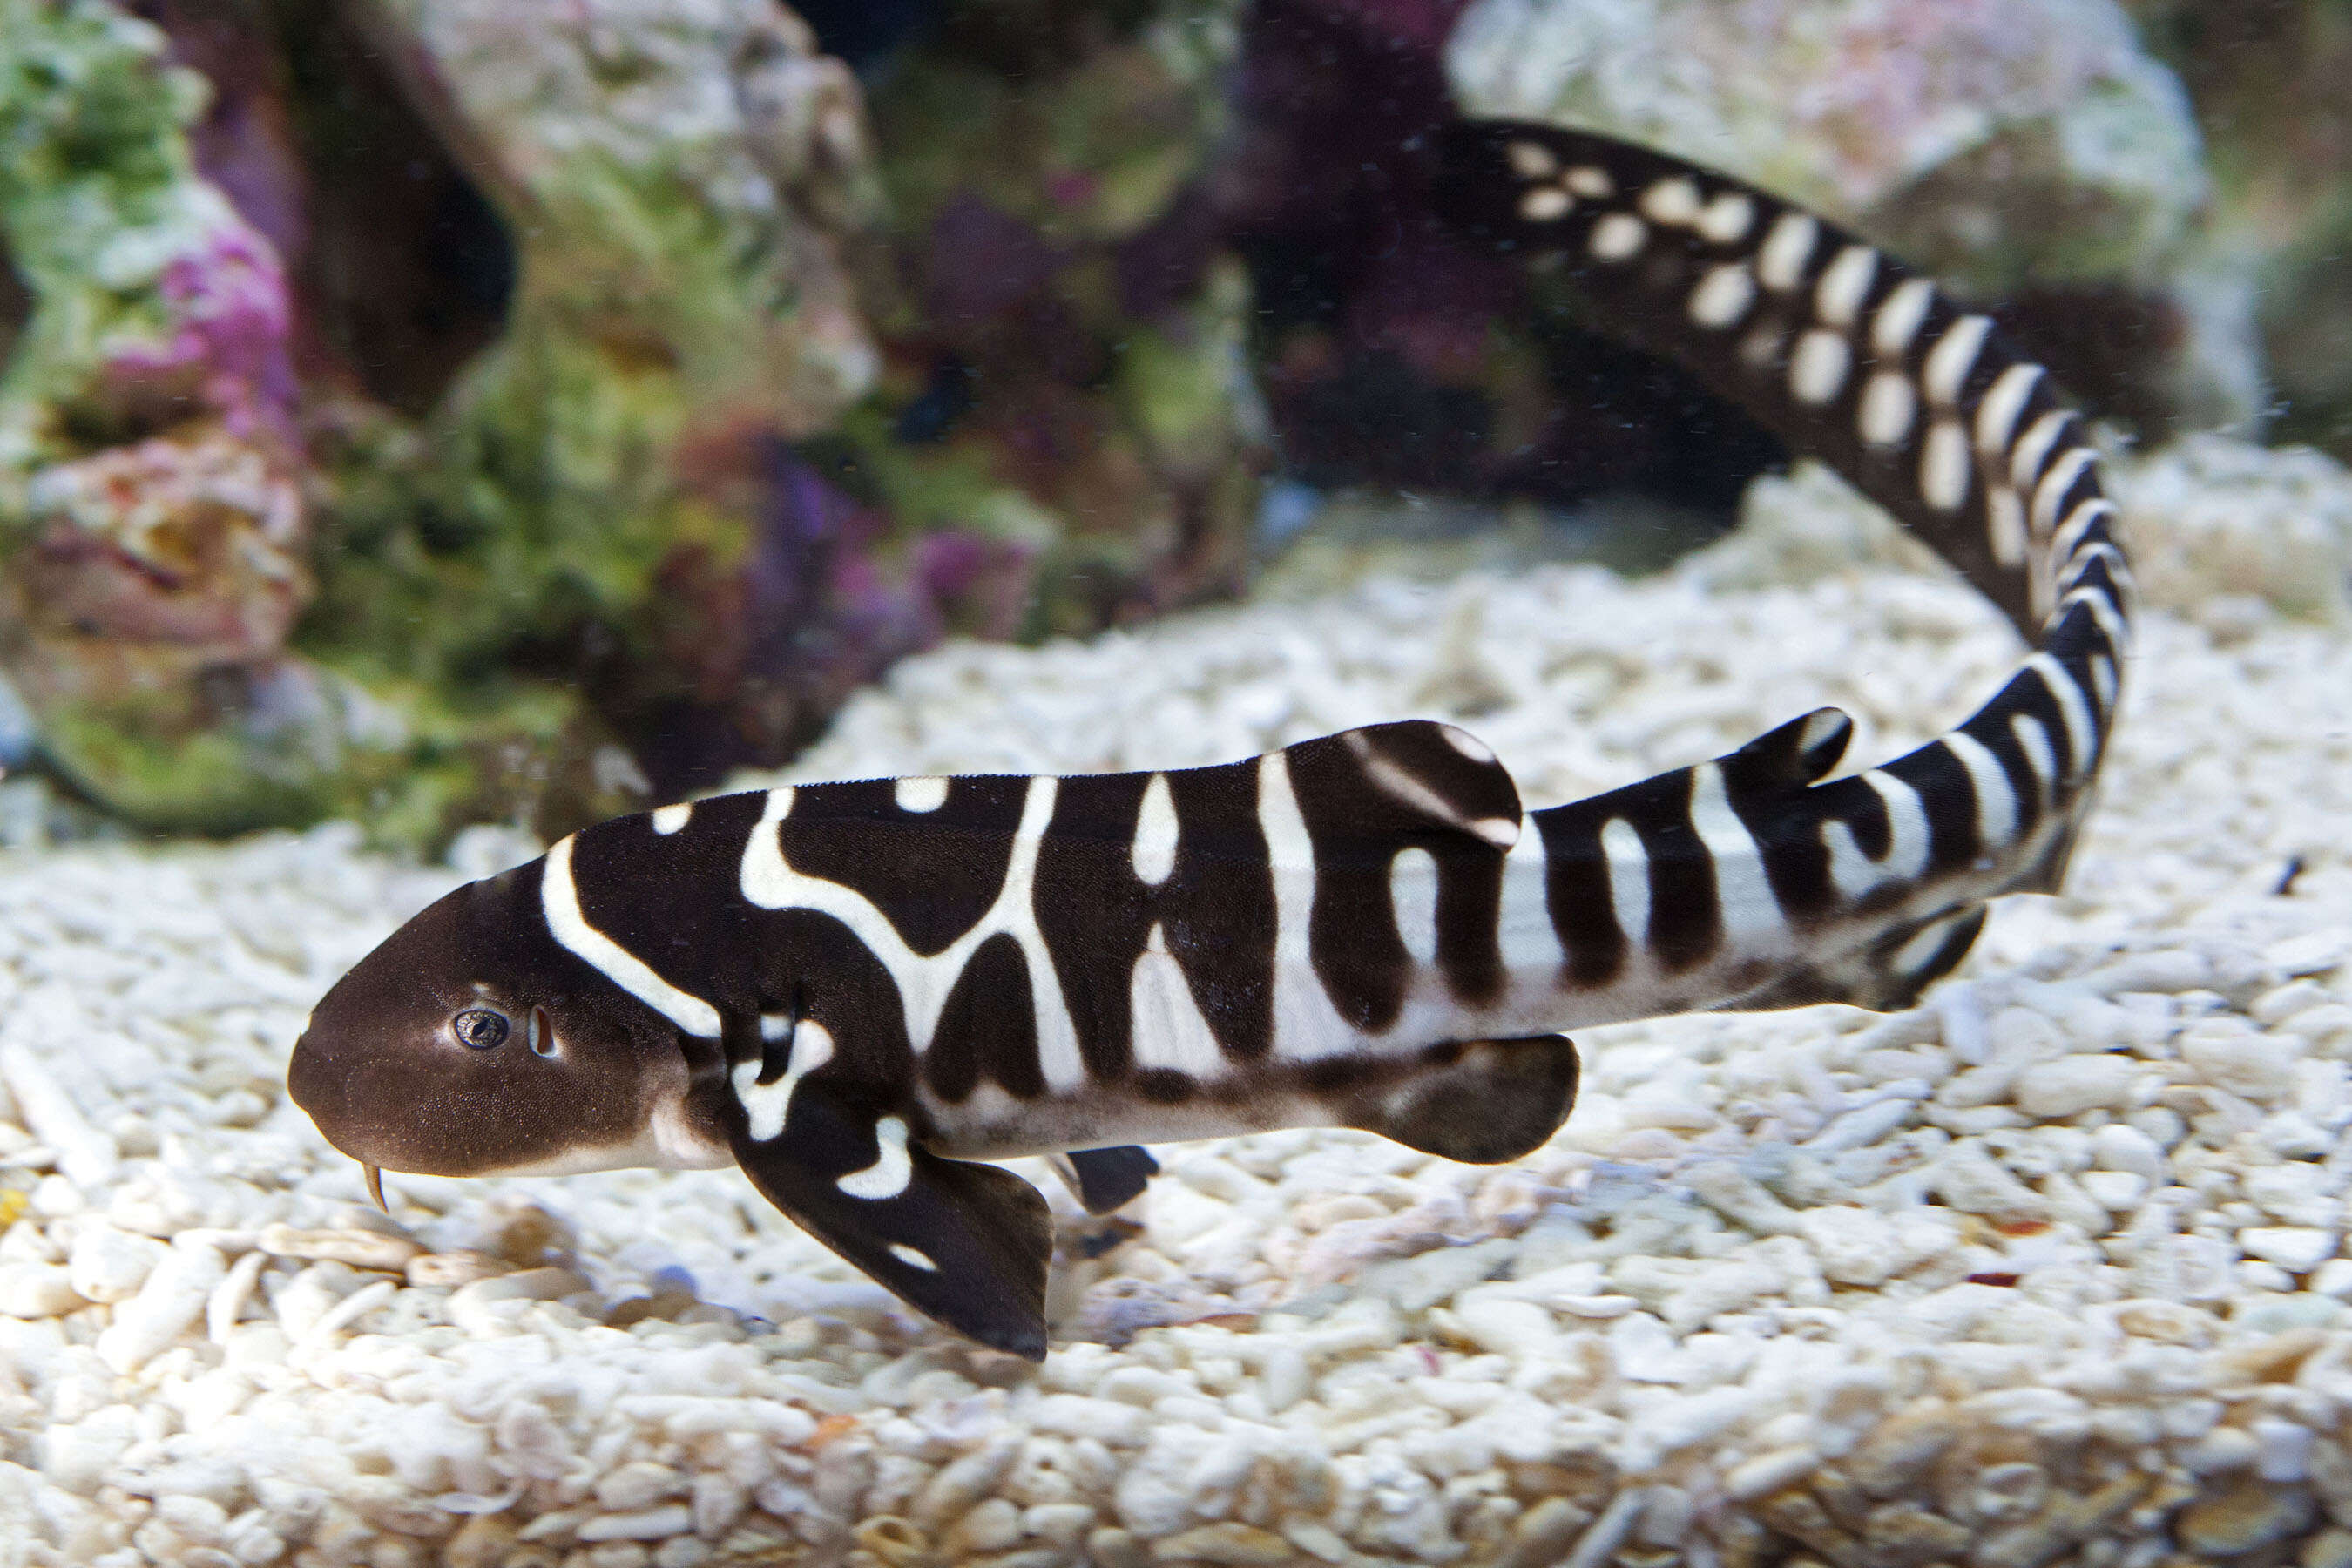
(888, 1175)
(768, 1104)
(1526, 934)
(1820, 725)
(1468, 744)
(668, 819)
(1405, 787)
(1944, 466)
(2005, 526)
(1156, 830)
(1780, 264)
(2072, 710)
(2103, 676)
(1723, 296)
(2034, 742)
(2004, 403)
(1306, 1025)
(1887, 403)
(2033, 449)
(1672, 201)
(913, 1259)
(1856, 873)
(1546, 204)
(2067, 537)
(1532, 160)
(1726, 217)
(2054, 486)
(1818, 369)
(2104, 611)
(1845, 283)
(919, 795)
(1898, 317)
(1954, 355)
(1996, 796)
(1619, 237)
(1926, 942)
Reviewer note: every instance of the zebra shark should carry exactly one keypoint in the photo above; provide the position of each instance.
(856, 991)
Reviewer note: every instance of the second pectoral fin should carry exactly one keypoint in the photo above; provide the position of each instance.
(1107, 1179)
(966, 1243)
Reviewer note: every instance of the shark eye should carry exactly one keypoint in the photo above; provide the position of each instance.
(480, 1028)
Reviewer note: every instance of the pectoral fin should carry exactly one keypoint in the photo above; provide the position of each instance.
(966, 1243)
(1106, 1179)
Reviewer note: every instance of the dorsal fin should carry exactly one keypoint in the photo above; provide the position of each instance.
(1801, 751)
(1424, 778)
(1372, 802)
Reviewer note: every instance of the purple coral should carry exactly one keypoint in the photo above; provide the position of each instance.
(231, 319)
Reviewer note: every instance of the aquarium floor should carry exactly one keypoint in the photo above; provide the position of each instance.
(2046, 1269)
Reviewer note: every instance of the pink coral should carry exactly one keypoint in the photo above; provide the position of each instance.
(183, 544)
(231, 317)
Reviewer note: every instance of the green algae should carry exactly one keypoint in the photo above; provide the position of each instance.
(98, 194)
(497, 598)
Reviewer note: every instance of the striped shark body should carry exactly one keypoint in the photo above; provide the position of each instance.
(856, 991)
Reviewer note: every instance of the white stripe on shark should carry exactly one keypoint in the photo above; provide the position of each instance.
(1629, 879)
(1751, 913)
(768, 881)
(1996, 796)
(1412, 894)
(889, 1173)
(1856, 873)
(560, 898)
(1306, 1025)
(2081, 734)
(1166, 1025)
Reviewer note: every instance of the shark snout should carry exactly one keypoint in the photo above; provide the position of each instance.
(322, 1086)
(331, 1086)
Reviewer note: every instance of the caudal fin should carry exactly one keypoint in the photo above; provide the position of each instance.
(1746, 872)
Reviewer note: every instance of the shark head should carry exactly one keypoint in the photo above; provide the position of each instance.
(473, 1043)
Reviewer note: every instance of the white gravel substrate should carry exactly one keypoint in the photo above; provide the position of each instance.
(2048, 1268)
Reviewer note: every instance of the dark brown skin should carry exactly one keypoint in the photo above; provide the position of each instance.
(382, 1071)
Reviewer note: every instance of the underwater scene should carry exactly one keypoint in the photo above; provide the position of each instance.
(1123, 783)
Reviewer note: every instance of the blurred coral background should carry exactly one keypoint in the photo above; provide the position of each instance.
(443, 410)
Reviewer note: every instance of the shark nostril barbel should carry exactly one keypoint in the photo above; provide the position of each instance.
(856, 991)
